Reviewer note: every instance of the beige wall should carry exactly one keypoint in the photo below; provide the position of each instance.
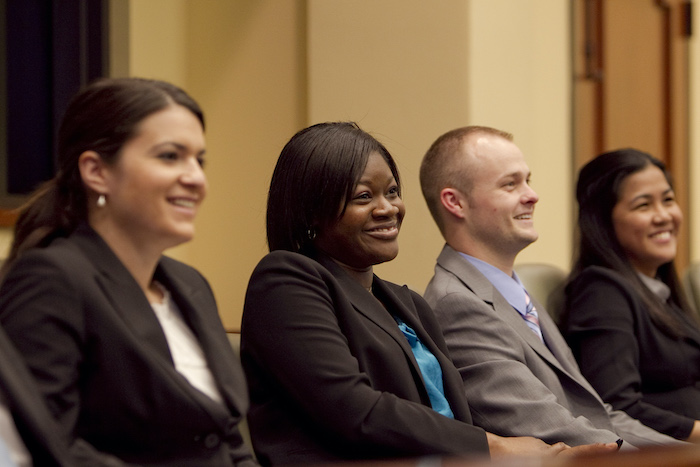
(409, 71)
(5, 241)
(244, 62)
(401, 70)
(406, 70)
(520, 82)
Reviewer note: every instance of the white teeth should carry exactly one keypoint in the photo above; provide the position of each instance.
(184, 203)
(524, 216)
(662, 235)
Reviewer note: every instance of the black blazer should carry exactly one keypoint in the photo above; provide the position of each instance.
(332, 377)
(34, 423)
(101, 360)
(631, 362)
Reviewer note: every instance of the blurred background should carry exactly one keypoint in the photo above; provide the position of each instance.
(569, 78)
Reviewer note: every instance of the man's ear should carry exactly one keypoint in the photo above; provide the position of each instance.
(454, 202)
(93, 171)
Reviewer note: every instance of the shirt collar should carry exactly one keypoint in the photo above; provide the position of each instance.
(657, 287)
(510, 287)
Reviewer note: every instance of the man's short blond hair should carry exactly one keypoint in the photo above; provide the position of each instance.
(445, 165)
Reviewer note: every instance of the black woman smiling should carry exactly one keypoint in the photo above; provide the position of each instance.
(340, 363)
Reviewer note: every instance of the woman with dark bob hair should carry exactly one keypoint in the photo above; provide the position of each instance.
(626, 319)
(125, 344)
(341, 364)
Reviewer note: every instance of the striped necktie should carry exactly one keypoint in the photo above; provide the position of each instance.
(531, 318)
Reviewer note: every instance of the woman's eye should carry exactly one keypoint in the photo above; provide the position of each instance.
(362, 196)
(168, 156)
(394, 190)
(201, 161)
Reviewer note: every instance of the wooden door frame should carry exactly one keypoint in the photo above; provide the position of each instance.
(590, 99)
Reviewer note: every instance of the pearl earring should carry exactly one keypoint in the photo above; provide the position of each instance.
(101, 201)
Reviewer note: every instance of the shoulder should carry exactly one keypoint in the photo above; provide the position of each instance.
(281, 263)
(282, 272)
(597, 280)
(599, 273)
(600, 294)
(62, 259)
(446, 288)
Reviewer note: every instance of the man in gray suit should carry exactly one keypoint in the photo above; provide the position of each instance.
(519, 374)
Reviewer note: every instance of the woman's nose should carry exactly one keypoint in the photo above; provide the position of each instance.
(662, 215)
(194, 173)
(385, 207)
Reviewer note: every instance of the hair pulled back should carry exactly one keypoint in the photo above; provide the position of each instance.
(101, 117)
(597, 192)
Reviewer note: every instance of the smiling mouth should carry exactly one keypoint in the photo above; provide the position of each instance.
(185, 203)
(524, 217)
(665, 235)
(388, 233)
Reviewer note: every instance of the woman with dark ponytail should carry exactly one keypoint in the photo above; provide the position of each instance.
(626, 319)
(125, 344)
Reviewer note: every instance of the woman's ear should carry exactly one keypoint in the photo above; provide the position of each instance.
(93, 171)
(454, 202)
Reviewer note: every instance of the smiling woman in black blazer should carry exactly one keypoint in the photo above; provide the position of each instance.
(125, 344)
(626, 319)
(341, 364)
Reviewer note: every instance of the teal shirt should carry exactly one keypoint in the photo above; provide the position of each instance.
(430, 370)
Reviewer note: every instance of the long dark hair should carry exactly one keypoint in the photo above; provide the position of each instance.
(597, 193)
(101, 117)
(313, 181)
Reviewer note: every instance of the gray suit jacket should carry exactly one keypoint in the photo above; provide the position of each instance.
(516, 385)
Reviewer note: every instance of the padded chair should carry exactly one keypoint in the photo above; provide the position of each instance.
(234, 339)
(545, 283)
(691, 284)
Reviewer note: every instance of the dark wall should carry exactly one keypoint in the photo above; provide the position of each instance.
(52, 48)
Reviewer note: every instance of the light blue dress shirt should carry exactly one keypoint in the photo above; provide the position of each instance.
(510, 287)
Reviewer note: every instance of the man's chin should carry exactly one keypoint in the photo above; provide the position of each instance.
(529, 238)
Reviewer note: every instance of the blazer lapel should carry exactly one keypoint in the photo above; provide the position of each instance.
(368, 305)
(452, 380)
(130, 303)
(558, 346)
(123, 292)
(452, 261)
(194, 307)
(401, 303)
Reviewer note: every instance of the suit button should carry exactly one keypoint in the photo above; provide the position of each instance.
(212, 440)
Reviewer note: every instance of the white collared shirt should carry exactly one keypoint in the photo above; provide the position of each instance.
(187, 354)
(9, 434)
